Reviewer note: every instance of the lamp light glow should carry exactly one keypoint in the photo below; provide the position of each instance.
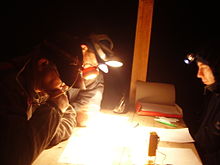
(114, 63)
(103, 67)
(186, 61)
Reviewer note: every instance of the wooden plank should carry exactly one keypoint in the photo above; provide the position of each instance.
(142, 44)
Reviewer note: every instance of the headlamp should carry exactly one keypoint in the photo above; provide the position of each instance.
(104, 51)
(90, 72)
(190, 58)
(114, 61)
(103, 67)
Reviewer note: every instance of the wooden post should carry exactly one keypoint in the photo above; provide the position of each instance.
(142, 44)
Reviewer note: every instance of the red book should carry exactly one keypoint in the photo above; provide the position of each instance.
(151, 109)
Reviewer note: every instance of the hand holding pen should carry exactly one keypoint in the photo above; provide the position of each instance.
(59, 97)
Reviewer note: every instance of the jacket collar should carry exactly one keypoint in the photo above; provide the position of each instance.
(215, 88)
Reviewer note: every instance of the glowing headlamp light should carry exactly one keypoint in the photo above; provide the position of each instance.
(190, 58)
(104, 52)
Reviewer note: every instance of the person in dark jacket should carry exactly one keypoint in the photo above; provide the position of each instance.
(207, 134)
(41, 94)
(97, 52)
(35, 113)
(87, 102)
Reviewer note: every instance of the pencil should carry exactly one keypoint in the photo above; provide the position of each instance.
(169, 124)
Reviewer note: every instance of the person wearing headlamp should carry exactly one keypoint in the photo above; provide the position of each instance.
(207, 133)
(35, 108)
(98, 56)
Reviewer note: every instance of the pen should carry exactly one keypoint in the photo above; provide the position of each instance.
(169, 124)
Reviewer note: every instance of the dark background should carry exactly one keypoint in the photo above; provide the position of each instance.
(178, 26)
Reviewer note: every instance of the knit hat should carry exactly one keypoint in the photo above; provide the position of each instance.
(65, 52)
(209, 54)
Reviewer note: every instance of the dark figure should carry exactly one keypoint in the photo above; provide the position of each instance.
(35, 110)
(207, 132)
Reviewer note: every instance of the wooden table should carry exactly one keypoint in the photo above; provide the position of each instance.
(52, 156)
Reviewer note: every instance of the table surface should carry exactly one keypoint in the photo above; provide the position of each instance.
(52, 156)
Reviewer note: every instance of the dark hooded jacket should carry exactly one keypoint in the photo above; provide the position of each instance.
(207, 136)
(29, 122)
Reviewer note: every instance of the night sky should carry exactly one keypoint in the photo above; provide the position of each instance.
(178, 26)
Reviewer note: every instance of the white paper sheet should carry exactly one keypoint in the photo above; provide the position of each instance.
(110, 142)
(116, 143)
(176, 156)
(180, 135)
(124, 146)
(105, 147)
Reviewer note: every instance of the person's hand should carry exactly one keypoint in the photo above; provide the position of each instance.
(82, 118)
(59, 98)
(87, 116)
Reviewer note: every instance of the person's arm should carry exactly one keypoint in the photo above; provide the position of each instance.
(87, 102)
(64, 130)
(91, 95)
(22, 139)
(207, 138)
(59, 100)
